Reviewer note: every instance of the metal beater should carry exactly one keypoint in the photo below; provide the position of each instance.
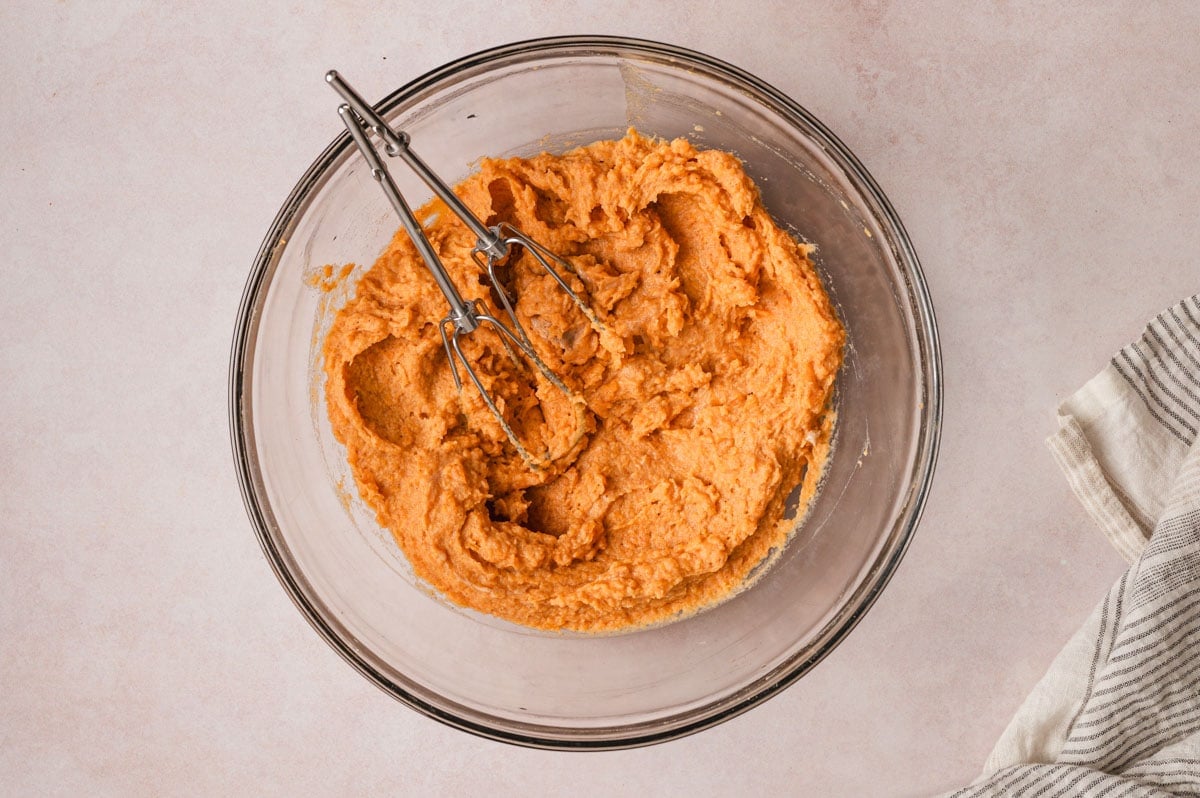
(492, 246)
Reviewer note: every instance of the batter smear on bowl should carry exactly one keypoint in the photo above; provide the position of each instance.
(707, 391)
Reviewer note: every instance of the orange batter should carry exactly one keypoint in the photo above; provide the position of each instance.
(707, 396)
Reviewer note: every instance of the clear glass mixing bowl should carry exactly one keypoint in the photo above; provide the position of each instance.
(562, 690)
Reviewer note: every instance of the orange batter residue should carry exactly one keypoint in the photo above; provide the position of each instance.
(708, 396)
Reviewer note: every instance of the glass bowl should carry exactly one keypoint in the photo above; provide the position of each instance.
(561, 690)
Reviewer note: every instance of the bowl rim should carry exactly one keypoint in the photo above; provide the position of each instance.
(787, 672)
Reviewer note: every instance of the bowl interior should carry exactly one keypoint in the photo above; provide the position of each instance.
(561, 689)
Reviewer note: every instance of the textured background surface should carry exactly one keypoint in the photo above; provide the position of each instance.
(1042, 158)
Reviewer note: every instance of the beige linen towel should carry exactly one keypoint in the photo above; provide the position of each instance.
(1118, 713)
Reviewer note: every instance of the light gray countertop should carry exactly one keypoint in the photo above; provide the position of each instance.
(1044, 160)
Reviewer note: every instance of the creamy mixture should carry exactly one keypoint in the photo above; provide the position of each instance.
(707, 390)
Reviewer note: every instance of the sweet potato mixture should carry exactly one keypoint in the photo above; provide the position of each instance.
(704, 393)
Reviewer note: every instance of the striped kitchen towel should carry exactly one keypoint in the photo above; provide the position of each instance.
(1118, 713)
